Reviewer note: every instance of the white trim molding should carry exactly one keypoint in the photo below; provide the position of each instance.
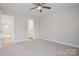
(64, 43)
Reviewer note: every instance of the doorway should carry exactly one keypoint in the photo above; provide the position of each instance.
(30, 29)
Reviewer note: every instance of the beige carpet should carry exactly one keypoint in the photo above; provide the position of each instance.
(39, 48)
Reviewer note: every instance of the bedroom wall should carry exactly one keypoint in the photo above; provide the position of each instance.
(0, 29)
(61, 27)
(20, 27)
(36, 28)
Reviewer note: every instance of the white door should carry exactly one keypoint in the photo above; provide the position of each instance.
(30, 35)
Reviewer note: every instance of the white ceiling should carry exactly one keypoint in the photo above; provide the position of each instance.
(24, 8)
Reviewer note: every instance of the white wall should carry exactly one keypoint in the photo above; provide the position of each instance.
(20, 27)
(0, 29)
(36, 28)
(61, 27)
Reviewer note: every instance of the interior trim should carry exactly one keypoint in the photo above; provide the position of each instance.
(68, 44)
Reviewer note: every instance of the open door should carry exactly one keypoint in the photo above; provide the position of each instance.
(30, 35)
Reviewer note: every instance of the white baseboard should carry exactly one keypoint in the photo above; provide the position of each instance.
(18, 41)
(68, 44)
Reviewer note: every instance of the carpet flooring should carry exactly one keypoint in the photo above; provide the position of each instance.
(39, 47)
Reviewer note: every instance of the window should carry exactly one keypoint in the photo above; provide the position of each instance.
(7, 25)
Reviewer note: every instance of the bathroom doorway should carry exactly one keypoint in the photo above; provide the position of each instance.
(30, 29)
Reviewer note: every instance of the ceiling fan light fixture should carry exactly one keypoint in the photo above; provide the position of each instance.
(39, 7)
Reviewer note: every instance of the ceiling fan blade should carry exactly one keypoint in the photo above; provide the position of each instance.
(33, 8)
(42, 3)
(46, 7)
(38, 4)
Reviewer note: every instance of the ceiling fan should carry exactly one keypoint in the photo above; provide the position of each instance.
(39, 6)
